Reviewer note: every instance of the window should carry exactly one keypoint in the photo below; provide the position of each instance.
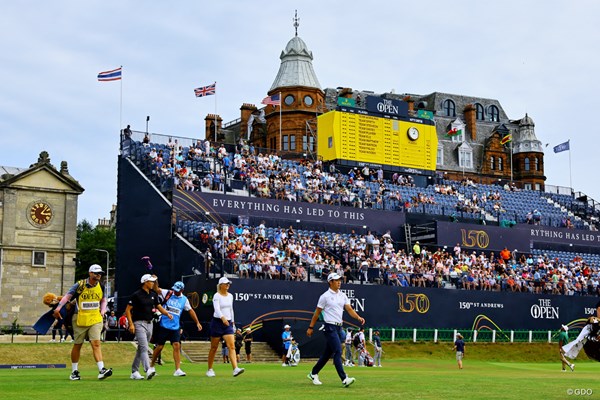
(449, 108)
(465, 156)
(308, 143)
(479, 112)
(527, 167)
(492, 163)
(285, 144)
(289, 99)
(527, 186)
(440, 156)
(38, 259)
(537, 164)
(494, 113)
(308, 101)
(499, 163)
(538, 186)
(292, 142)
(459, 138)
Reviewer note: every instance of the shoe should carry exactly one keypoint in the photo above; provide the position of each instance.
(314, 378)
(572, 366)
(62, 340)
(179, 372)
(238, 371)
(51, 341)
(348, 381)
(284, 365)
(136, 376)
(564, 370)
(210, 373)
(150, 373)
(159, 362)
(75, 376)
(105, 373)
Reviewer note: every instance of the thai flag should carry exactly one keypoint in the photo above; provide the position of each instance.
(206, 90)
(113, 75)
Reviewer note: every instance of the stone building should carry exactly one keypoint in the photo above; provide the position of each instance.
(490, 147)
(38, 233)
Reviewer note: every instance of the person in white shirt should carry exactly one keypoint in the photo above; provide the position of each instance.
(222, 326)
(332, 304)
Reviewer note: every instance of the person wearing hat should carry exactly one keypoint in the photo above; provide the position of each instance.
(222, 326)
(563, 338)
(91, 305)
(248, 344)
(140, 312)
(332, 304)
(170, 329)
(286, 337)
(459, 346)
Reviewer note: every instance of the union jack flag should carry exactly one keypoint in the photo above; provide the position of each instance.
(112, 75)
(206, 90)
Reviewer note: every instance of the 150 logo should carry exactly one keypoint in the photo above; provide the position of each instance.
(473, 238)
(413, 302)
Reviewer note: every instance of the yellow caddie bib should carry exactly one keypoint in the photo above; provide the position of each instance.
(88, 304)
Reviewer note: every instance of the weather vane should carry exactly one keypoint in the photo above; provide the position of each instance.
(296, 23)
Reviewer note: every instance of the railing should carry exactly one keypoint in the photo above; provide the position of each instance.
(482, 336)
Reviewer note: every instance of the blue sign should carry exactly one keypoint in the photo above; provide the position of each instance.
(387, 106)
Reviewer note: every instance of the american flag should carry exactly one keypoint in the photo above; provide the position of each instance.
(113, 75)
(205, 90)
(274, 100)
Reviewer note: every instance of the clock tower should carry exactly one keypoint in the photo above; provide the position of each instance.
(291, 126)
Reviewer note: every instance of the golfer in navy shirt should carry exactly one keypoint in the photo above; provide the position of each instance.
(332, 304)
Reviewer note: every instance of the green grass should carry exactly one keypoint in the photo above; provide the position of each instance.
(422, 371)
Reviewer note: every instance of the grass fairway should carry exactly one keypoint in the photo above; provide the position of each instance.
(400, 378)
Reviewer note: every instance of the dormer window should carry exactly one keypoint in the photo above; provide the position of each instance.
(449, 108)
(493, 113)
(479, 112)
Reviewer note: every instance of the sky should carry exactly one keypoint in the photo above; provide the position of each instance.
(539, 58)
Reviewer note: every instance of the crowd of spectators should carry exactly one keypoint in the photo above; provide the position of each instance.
(369, 258)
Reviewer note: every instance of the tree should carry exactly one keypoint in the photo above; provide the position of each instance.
(90, 238)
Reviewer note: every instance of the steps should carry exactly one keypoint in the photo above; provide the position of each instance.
(198, 352)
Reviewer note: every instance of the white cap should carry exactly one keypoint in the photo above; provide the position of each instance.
(565, 327)
(95, 268)
(459, 335)
(287, 327)
(223, 280)
(333, 277)
(148, 277)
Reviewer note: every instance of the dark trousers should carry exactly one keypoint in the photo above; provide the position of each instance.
(332, 349)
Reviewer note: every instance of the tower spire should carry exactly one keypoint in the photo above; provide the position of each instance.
(296, 23)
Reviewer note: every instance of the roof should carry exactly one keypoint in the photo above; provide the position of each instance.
(296, 67)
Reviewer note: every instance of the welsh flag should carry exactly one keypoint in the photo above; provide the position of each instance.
(454, 132)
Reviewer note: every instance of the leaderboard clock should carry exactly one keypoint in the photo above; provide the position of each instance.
(40, 213)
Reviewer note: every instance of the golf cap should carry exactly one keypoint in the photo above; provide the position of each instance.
(223, 280)
(148, 277)
(459, 335)
(565, 327)
(248, 329)
(178, 286)
(95, 268)
(287, 327)
(333, 277)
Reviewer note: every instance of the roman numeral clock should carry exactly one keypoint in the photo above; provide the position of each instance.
(40, 213)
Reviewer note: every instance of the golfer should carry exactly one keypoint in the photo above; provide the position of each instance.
(222, 326)
(332, 304)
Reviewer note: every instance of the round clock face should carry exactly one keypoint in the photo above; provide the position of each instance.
(413, 133)
(40, 213)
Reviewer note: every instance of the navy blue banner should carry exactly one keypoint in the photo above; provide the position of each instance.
(257, 301)
(191, 204)
(387, 106)
(519, 237)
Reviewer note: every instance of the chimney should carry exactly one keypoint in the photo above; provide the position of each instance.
(471, 120)
(209, 123)
(411, 104)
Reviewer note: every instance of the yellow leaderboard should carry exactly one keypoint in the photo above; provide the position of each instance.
(410, 142)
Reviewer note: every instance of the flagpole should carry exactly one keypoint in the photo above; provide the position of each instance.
(511, 160)
(215, 111)
(280, 105)
(570, 176)
(121, 102)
